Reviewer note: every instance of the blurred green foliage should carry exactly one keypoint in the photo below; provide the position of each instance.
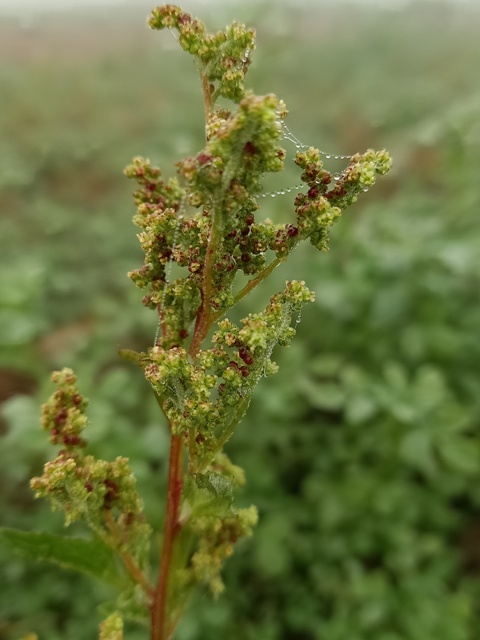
(363, 453)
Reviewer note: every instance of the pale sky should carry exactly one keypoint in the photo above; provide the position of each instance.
(22, 7)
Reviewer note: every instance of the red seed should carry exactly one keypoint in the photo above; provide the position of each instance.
(250, 148)
(61, 416)
(245, 355)
(204, 158)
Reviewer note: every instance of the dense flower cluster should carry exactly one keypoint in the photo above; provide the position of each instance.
(321, 206)
(101, 493)
(203, 396)
(204, 368)
(112, 627)
(206, 222)
(225, 236)
(218, 536)
(224, 57)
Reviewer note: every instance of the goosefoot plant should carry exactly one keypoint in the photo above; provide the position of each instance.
(203, 368)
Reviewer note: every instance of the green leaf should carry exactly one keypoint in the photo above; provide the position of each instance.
(460, 455)
(92, 557)
(416, 449)
(211, 494)
(216, 484)
(326, 396)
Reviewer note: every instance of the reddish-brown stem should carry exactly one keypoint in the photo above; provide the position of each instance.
(204, 318)
(158, 609)
(202, 325)
(161, 626)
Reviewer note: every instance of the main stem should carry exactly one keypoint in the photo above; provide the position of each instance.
(160, 624)
(159, 619)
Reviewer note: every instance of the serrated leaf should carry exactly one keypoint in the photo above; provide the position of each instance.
(92, 557)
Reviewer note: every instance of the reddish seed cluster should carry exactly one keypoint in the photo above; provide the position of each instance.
(204, 158)
(338, 192)
(243, 370)
(73, 440)
(112, 493)
(64, 431)
(129, 518)
(61, 416)
(226, 264)
(185, 18)
(246, 355)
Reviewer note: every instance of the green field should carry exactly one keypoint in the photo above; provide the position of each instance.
(363, 453)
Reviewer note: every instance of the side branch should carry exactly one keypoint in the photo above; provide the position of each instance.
(129, 562)
(251, 284)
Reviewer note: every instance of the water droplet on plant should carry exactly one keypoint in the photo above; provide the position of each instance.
(365, 189)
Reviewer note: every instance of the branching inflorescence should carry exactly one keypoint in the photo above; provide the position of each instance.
(203, 368)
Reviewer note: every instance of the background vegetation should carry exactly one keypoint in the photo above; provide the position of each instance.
(363, 453)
